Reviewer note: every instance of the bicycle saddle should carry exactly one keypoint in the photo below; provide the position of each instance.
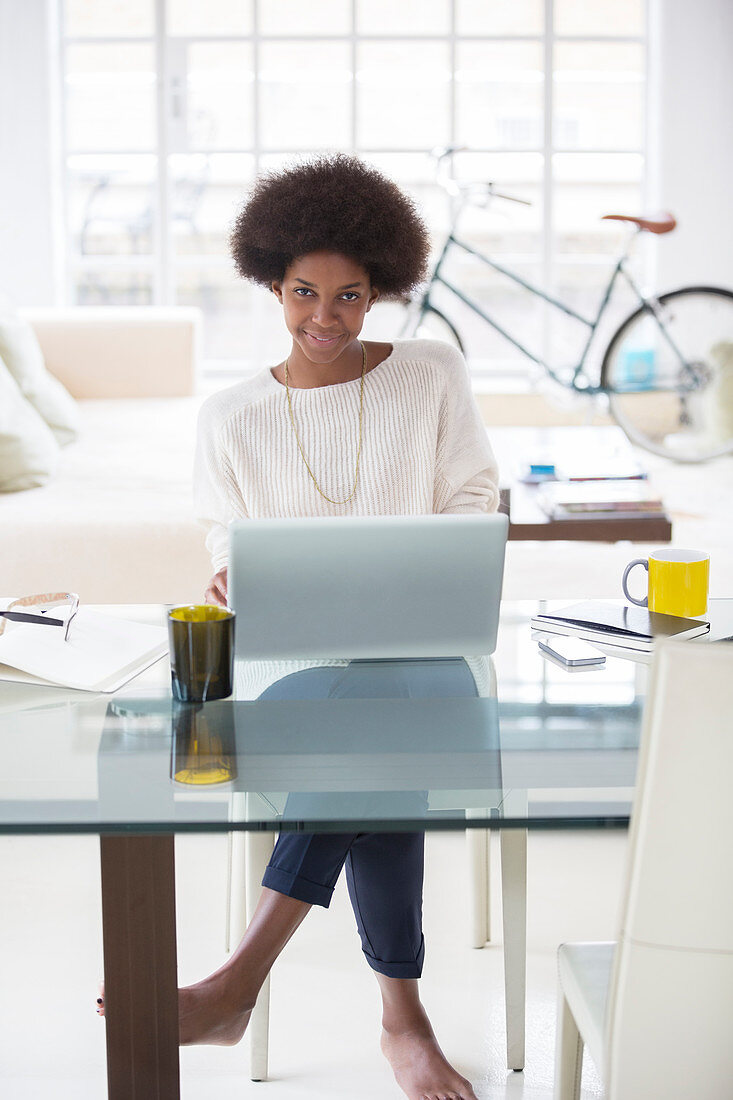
(663, 223)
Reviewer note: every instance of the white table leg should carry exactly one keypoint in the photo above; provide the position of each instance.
(248, 857)
(479, 886)
(258, 848)
(514, 908)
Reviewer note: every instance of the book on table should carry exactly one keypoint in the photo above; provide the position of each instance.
(608, 500)
(588, 470)
(102, 652)
(619, 624)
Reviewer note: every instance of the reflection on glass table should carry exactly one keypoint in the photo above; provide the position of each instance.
(539, 729)
(100, 760)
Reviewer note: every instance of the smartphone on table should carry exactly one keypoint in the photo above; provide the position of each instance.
(573, 652)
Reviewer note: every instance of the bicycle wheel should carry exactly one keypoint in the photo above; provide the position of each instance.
(431, 324)
(669, 375)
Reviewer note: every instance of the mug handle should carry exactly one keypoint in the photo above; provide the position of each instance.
(627, 570)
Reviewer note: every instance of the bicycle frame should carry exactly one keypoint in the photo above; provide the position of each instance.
(580, 380)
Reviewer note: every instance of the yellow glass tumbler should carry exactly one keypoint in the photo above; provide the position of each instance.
(678, 582)
(203, 747)
(201, 638)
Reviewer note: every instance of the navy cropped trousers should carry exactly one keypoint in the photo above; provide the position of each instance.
(384, 871)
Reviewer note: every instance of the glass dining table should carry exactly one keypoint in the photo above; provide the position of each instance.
(509, 743)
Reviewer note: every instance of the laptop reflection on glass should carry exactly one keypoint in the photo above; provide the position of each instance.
(375, 587)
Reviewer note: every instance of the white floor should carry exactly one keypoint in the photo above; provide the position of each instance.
(325, 1011)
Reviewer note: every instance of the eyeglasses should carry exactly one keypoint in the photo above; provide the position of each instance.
(41, 605)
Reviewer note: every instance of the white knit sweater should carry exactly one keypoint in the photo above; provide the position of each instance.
(424, 447)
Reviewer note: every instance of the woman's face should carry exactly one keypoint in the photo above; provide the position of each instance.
(325, 297)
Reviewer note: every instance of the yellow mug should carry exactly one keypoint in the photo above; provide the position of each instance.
(678, 582)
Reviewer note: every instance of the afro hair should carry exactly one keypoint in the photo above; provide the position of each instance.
(333, 203)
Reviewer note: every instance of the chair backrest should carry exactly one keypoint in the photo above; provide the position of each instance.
(670, 1009)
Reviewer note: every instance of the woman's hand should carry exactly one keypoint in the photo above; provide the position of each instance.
(216, 591)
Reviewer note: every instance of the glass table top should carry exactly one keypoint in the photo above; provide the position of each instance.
(506, 741)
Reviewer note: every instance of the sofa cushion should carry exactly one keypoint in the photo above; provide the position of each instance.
(116, 524)
(23, 358)
(28, 450)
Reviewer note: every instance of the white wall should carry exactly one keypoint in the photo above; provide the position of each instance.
(691, 166)
(691, 137)
(29, 257)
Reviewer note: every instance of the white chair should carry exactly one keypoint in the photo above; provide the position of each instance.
(656, 1008)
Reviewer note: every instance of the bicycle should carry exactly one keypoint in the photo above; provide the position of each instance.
(667, 371)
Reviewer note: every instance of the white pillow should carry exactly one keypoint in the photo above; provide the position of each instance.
(23, 358)
(28, 449)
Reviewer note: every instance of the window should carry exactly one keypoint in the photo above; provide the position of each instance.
(171, 107)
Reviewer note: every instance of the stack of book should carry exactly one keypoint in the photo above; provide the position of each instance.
(617, 626)
(623, 499)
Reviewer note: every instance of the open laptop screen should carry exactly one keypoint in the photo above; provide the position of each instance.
(366, 586)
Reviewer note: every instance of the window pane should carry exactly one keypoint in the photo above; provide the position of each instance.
(385, 321)
(406, 17)
(220, 96)
(514, 308)
(112, 204)
(599, 17)
(112, 286)
(582, 284)
(599, 96)
(114, 17)
(499, 94)
(503, 227)
(206, 192)
(403, 95)
(305, 95)
(191, 17)
(111, 97)
(288, 17)
(588, 186)
(242, 322)
(499, 16)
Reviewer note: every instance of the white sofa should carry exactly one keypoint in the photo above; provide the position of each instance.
(116, 522)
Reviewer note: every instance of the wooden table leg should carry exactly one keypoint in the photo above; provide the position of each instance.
(140, 970)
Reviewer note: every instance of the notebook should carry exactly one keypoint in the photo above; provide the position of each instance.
(366, 586)
(616, 623)
(102, 653)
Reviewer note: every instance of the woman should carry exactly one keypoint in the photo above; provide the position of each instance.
(340, 427)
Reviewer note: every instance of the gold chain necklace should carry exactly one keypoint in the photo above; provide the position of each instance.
(358, 452)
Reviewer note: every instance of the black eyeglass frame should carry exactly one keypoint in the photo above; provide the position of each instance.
(53, 599)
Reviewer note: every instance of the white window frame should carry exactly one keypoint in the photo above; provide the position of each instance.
(170, 77)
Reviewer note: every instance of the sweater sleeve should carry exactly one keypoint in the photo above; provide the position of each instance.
(466, 474)
(216, 493)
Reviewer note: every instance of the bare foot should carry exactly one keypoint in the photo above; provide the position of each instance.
(211, 1012)
(421, 1069)
(207, 1013)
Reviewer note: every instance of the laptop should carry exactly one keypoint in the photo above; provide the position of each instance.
(366, 586)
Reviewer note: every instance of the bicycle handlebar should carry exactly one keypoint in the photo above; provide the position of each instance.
(465, 190)
(509, 198)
